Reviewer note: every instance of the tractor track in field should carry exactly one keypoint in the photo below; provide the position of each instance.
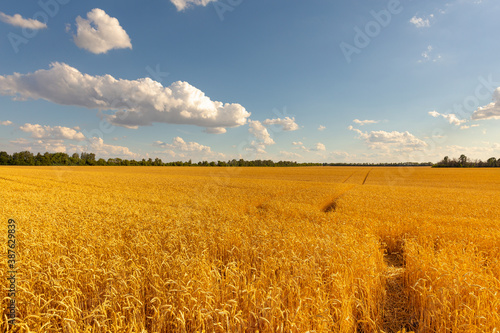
(348, 177)
(397, 314)
(396, 311)
(366, 177)
(332, 206)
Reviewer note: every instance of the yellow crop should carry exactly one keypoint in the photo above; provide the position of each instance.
(320, 249)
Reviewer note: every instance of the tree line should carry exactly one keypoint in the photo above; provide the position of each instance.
(464, 162)
(63, 159)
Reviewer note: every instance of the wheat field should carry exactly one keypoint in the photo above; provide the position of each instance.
(191, 249)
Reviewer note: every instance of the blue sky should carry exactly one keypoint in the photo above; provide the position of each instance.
(319, 81)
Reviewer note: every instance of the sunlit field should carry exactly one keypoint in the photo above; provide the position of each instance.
(191, 249)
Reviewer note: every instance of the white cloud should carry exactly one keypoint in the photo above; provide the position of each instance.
(482, 152)
(390, 141)
(287, 123)
(420, 22)
(180, 145)
(464, 127)
(95, 145)
(365, 122)
(52, 146)
(299, 143)
(179, 148)
(427, 55)
(100, 33)
(260, 132)
(319, 147)
(216, 130)
(452, 118)
(321, 128)
(18, 21)
(48, 132)
(6, 122)
(140, 102)
(490, 111)
(183, 4)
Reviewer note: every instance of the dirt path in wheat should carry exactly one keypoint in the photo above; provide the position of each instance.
(396, 313)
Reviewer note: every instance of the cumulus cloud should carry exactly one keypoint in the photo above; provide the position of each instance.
(298, 143)
(321, 128)
(319, 147)
(94, 145)
(140, 102)
(101, 149)
(452, 118)
(365, 122)
(179, 144)
(183, 4)
(287, 123)
(260, 132)
(18, 21)
(182, 149)
(395, 141)
(47, 132)
(6, 122)
(100, 33)
(490, 111)
(483, 152)
(52, 146)
(420, 22)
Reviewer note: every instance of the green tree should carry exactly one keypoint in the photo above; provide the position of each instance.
(463, 160)
(4, 158)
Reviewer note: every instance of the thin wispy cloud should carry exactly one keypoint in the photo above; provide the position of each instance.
(365, 122)
(184, 4)
(421, 22)
(451, 118)
(18, 21)
(287, 123)
(428, 55)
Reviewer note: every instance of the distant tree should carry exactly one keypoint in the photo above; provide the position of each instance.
(4, 158)
(75, 159)
(23, 158)
(158, 162)
(463, 160)
(492, 162)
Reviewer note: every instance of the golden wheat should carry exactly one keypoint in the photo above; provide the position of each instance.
(165, 249)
